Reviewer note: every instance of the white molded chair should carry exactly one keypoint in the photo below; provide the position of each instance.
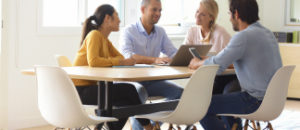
(274, 99)
(194, 101)
(58, 100)
(62, 61)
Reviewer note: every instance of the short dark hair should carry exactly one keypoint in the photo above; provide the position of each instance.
(247, 9)
(146, 2)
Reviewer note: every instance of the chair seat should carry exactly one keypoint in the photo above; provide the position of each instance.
(274, 99)
(194, 101)
(59, 102)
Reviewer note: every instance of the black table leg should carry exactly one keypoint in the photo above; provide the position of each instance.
(101, 98)
(101, 102)
(108, 98)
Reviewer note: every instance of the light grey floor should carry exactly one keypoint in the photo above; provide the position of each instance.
(288, 120)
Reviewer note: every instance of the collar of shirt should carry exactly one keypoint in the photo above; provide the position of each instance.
(143, 30)
(255, 24)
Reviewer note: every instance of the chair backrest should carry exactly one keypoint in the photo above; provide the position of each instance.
(62, 61)
(275, 97)
(58, 100)
(195, 98)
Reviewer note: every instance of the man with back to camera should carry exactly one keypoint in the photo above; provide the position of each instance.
(144, 41)
(255, 54)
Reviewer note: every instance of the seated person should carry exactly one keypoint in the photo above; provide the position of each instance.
(208, 32)
(97, 51)
(254, 52)
(144, 41)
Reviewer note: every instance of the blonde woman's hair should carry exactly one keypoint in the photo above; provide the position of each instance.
(212, 7)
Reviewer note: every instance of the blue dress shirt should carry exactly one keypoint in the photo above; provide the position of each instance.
(135, 40)
(255, 55)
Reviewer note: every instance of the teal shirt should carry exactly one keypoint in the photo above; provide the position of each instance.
(255, 55)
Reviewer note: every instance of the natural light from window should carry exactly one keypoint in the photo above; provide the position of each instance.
(176, 12)
(60, 13)
(93, 4)
(71, 13)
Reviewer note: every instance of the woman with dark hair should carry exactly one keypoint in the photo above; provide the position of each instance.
(97, 51)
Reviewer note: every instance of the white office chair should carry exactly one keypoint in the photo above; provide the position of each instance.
(194, 101)
(62, 61)
(273, 102)
(58, 100)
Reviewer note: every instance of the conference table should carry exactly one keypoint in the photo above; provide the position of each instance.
(108, 75)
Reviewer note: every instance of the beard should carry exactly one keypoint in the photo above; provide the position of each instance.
(235, 25)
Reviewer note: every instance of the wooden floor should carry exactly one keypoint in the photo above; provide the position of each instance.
(291, 105)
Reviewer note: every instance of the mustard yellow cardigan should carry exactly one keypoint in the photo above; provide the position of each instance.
(96, 51)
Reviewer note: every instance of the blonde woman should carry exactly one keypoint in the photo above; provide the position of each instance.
(206, 30)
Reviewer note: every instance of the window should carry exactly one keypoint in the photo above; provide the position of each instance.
(60, 13)
(65, 16)
(177, 15)
(178, 12)
(93, 4)
(292, 12)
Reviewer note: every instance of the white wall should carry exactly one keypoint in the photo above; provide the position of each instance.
(271, 12)
(24, 47)
(3, 83)
(274, 14)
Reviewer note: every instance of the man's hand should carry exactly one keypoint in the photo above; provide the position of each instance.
(195, 63)
(162, 60)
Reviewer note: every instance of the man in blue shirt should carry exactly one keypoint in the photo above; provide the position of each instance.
(255, 54)
(144, 41)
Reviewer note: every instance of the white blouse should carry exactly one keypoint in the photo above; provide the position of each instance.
(219, 38)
